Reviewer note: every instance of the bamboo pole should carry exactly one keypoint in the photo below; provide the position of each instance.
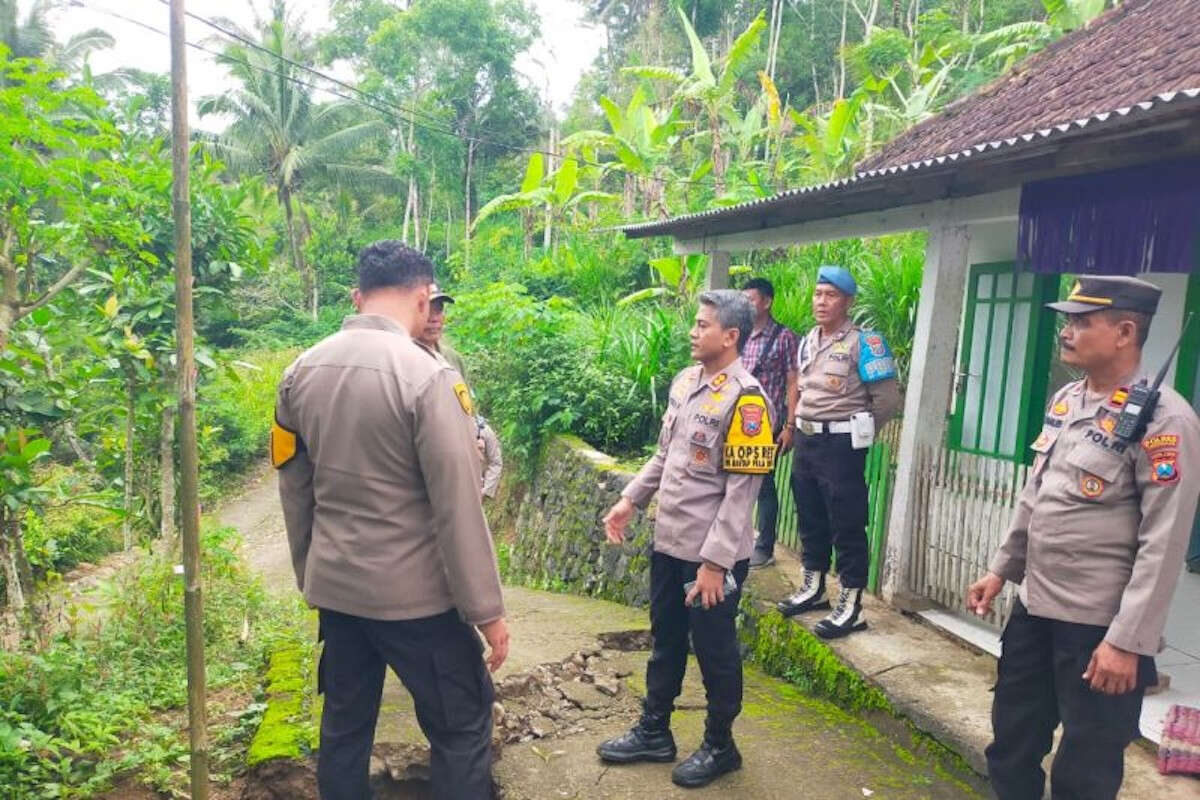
(193, 604)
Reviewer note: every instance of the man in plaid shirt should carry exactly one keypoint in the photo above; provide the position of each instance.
(770, 356)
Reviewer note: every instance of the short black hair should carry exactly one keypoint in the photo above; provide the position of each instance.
(1140, 320)
(733, 310)
(392, 263)
(762, 286)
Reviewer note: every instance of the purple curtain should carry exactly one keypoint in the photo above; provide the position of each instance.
(1140, 219)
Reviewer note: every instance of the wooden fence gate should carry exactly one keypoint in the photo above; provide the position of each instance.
(963, 506)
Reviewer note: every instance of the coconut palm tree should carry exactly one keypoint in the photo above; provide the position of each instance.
(280, 131)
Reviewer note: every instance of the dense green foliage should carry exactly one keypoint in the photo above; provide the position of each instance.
(435, 138)
(90, 705)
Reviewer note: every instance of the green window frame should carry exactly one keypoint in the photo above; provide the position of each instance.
(1187, 382)
(1004, 363)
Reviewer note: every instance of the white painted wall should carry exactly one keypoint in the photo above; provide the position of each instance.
(1164, 331)
(993, 241)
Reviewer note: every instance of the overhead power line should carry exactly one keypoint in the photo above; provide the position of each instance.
(397, 113)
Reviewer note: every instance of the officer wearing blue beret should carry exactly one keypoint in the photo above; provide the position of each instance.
(848, 389)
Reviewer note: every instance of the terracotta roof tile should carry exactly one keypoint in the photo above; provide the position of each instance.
(1138, 50)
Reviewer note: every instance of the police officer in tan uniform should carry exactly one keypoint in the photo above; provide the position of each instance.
(431, 334)
(374, 440)
(1096, 543)
(848, 389)
(489, 452)
(714, 447)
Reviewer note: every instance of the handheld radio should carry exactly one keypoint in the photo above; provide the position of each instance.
(1143, 398)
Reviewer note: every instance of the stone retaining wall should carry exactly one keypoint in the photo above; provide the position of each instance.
(559, 540)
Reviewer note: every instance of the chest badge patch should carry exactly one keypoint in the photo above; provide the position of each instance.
(1108, 424)
(749, 447)
(834, 382)
(464, 398)
(1091, 486)
(700, 455)
(1060, 408)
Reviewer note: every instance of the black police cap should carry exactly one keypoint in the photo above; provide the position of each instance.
(1098, 292)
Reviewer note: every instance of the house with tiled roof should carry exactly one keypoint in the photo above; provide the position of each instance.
(1083, 158)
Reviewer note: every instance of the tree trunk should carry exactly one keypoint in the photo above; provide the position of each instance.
(18, 575)
(467, 206)
(166, 474)
(841, 87)
(718, 157)
(407, 211)
(773, 42)
(296, 246)
(127, 523)
(8, 318)
(185, 368)
(429, 209)
(551, 163)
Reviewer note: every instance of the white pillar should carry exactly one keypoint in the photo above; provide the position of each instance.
(927, 397)
(718, 270)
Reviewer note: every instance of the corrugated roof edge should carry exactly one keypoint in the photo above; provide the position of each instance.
(1040, 135)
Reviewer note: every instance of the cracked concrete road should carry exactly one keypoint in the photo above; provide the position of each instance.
(793, 746)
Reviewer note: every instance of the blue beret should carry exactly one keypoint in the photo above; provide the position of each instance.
(839, 277)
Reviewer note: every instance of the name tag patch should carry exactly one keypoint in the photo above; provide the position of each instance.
(749, 447)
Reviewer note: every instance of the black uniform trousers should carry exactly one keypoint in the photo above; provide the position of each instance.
(439, 660)
(768, 512)
(1038, 685)
(714, 639)
(830, 490)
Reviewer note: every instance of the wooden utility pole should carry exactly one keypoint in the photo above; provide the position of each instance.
(189, 505)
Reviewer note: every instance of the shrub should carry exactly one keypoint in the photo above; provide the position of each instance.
(79, 711)
(234, 414)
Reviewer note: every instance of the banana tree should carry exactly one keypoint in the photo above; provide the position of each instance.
(832, 143)
(711, 91)
(642, 139)
(680, 279)
(1068, 15)
(559, 193)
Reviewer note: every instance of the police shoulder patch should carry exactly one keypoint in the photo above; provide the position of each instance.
(749, 445)
(284, 444)
(464, 398)
(875, 359)
(1163, 451)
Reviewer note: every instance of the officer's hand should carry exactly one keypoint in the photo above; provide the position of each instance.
(785, 440)
(496, 634)
(1112, 670)
(982, 592)
(617, 519)
(710, 585)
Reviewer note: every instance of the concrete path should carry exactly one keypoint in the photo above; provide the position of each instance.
(945, 686)
(568, 685)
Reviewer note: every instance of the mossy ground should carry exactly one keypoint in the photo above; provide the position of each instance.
(290, 725)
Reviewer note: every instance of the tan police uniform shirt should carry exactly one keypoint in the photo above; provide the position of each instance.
(493, 461)
(382, 503)
(830, 387)
(1101, 528)
(703, 511)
